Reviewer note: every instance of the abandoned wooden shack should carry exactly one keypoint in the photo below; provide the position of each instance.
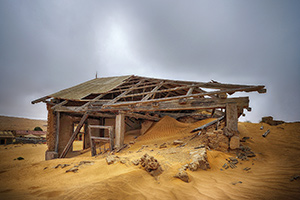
(107, 107)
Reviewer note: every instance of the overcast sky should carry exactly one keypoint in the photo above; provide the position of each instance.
(46, 46)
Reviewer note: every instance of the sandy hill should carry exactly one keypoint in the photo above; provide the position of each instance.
(272, 174)
(17, 123)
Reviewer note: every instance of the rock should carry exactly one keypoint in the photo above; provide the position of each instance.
(73, 169)
(182, 175)
(176, 142)
(217, 141)
(151, 165)
(131, 142)
(111, 159)
(163, 146)
(136, 162)
(193, 166)
(123, 161)
(234, 142)
(269, 120)
(86, 162)
(295, 177)
(234, 183)
(185, 167)
(57, 166)
(64, 165)
(244, 139)
(199, 160)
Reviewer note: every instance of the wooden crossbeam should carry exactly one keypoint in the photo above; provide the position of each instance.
(153, 91)
(246, 89)
(141, 116)
(74, 135)
(59, 104)
(173, 105)
(125, 93)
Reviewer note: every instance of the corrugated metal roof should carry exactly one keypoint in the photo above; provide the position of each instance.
(95, 86)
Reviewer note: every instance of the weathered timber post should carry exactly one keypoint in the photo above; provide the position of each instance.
(231, 119)
(120, 129)
(57, 131)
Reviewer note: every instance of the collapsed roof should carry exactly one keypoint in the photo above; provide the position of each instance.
(142, 95)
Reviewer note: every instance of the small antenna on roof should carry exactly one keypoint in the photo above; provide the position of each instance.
(96, 75)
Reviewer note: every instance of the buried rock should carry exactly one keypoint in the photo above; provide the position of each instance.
(73, 169)
(199, 160)
(151, 165)
(111, 159)
(182, 175)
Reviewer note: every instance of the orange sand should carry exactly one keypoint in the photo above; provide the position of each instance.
(276, 162)
(170, 127)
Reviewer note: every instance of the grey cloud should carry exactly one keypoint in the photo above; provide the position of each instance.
(46, 46)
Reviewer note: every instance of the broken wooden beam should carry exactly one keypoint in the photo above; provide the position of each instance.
(207, 125)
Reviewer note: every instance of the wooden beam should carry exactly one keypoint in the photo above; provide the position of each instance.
(40, 100)
(59, 104)
(74, 135)
(124, 93)
(173, 105)
(141, 116)
(179, 97)
(153, 91)
(120, 129)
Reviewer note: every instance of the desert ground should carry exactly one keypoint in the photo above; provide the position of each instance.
(272, 174)
(18, 123)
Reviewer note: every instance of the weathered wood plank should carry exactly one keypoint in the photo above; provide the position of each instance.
(192, 104)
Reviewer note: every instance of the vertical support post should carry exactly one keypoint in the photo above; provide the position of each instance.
(111, 136)
(93, 147)
(57, 131)
(120, 129)
(231, 119)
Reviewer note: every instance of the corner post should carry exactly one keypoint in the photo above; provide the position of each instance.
(120, 129)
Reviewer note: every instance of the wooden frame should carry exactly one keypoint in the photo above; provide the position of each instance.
(94, 139)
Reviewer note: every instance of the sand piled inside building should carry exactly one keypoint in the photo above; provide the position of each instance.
(170, 127)
(272, 174)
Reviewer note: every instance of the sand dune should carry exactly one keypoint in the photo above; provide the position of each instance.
(276, 161)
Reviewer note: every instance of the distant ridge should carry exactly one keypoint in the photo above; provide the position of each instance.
(18, 123)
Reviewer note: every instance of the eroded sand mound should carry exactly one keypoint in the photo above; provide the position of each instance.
(169, 126)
